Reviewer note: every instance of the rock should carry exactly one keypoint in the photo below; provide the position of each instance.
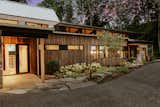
(18, 91)
(81, 85)
(82, 79)
(68, 79)
(63, 88)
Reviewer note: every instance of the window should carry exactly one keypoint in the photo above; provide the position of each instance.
(98, 51)
(73, 47)
(37, 24)
(106, 52)
(81, 47)
(63, 47)
(52, 47)
(94, 51)
(101, 51)
(7, 21)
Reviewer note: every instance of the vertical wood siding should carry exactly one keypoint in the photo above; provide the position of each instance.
(67, 57)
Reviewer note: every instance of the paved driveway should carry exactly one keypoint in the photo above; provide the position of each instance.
(138, 89)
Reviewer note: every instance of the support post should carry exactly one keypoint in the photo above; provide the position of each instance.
(1, 60)
(38, 60)
(42, 59)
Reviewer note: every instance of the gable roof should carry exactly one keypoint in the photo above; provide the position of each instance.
(23, 10)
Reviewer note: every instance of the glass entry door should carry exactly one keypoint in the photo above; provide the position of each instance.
(16, 59)
(10, 59)
(23, 58)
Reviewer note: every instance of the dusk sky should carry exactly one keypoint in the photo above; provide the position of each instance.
(33, 2)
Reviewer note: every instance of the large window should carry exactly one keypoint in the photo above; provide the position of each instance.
(75, 47)
(98, 51)
(37, 24)
(101, 51)
(7, 21)
(52, 47)
(94, 52)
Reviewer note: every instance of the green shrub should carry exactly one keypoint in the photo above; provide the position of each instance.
(123, 70)
(131, 59)
(111, 69)
(52, 67)
(76, 69)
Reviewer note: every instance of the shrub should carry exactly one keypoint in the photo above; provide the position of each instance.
(111, 69)
(123, 70)
(131, 59)
(52, 67)
(76, 69)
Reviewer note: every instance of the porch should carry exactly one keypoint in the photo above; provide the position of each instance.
(21, 55)
(22, 81)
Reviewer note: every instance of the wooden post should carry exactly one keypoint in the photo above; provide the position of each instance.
(38, 60)
(1, 70)
(42, 59)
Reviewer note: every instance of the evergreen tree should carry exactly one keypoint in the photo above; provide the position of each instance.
(68, 11)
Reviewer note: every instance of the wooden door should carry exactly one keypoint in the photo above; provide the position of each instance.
(23, 59)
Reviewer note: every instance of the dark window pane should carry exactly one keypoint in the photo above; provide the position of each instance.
(63, 47)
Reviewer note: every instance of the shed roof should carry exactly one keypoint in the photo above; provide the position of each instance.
(23, 10)
(130, 33)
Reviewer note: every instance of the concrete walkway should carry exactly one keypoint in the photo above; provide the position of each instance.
(137, 89)
(22, 81)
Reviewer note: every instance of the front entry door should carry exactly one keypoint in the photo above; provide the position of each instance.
(23, 59)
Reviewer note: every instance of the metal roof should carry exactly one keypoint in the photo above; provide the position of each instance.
(23, 10)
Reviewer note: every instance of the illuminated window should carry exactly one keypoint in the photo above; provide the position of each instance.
(73, 47)
(52, 47)
(101, 51)
(7, 21)
(106, 52)
(94, 51)
(37, 24)
(81, 47)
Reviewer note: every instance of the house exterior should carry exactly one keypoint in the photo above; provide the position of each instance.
(33, 36)
(23, 29)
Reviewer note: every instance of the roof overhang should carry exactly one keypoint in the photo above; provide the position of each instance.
(26, 31)
(134, 41)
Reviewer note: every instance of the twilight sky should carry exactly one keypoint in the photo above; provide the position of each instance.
(33, 2)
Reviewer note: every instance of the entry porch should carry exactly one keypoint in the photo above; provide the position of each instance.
(21, 54)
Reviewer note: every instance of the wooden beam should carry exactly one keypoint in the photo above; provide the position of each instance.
(42, 59)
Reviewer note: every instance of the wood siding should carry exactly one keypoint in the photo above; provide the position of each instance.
(67, 57)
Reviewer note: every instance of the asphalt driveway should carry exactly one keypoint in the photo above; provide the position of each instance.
(140, 88)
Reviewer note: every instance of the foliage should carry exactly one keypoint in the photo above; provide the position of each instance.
(131, 59)
(63, 9)
(75, 69)
(88, 11)
(114, 42)
(102, 70)
(52, 67)
(121, 69)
